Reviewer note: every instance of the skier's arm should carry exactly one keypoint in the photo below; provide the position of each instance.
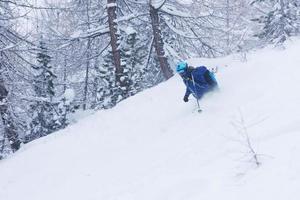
(187, 92)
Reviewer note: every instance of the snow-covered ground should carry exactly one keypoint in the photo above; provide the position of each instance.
(154, 146)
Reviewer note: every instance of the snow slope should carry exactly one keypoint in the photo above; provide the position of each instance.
(155, 146)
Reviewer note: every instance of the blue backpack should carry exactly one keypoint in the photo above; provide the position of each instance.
(210, 78)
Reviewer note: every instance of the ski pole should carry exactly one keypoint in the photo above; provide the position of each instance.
(199, 109)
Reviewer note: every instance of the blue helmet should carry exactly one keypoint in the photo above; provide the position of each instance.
(181, 66)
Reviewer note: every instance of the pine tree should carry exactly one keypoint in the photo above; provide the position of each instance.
(48, 116)
(279, 23)
(105, 84)
(10, 62)
(43, 84)
(132, 56)
(10, 133)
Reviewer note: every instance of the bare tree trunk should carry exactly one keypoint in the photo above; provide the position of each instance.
(87, 58)
(65, 74)
(2, 144)
(10, 131)
(112, 16)
(227, 26)
(159, 44)
(86, 82)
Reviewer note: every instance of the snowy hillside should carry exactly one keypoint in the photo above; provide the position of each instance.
(154, 146)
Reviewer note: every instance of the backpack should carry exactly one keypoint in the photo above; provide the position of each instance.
(210, 78)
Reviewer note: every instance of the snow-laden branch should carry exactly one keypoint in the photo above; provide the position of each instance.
(28, 5)
(171, 51)
(137, 2)
(180, 32)
(102, 30)
(130, 17)
(171, 10)
(157, 4)
(7, 48)
(111, 5)
(90, 33)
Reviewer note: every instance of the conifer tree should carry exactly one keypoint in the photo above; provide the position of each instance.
(132, 56)
(47, 116)
(279, 23)
(105, 84)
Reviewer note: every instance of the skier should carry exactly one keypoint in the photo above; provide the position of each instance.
(198, 80)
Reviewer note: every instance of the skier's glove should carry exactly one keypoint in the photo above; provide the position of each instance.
(185, 98)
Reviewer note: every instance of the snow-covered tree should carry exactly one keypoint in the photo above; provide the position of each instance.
(9, 132)
(11, 73)
(132, 56)
(46, 115)
(279, 22)
(105, 84)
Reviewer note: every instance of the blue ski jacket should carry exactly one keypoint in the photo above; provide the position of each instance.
(198, 81)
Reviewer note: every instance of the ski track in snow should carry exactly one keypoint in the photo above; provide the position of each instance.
(155, 146)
